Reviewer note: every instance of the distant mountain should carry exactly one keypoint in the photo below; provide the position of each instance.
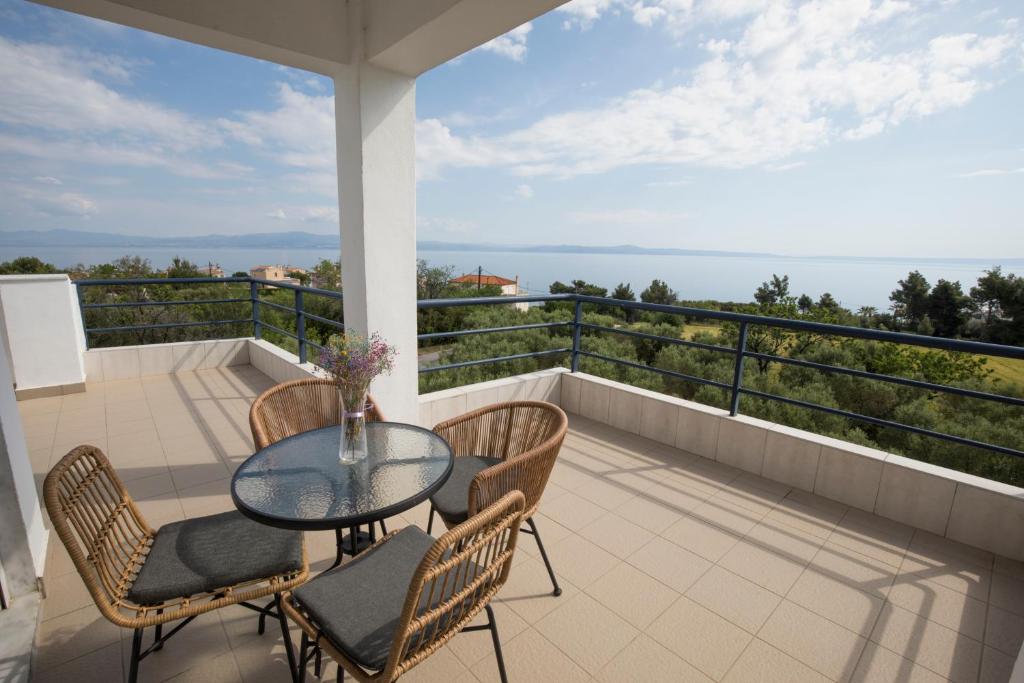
(306, 240)
(78, 238)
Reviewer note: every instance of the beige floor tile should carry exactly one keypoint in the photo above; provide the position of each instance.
(873, 536)
(836, 601)
(632, 594)
(665, 561)
(262, 659)
(996, 667)
(100, 666)
(860, 571)
(532, 657)
(618, 536)
(470, 647)
(807, 514)
(606, 492)
(223, 668)
(125, 427)
(819, 643)
(1008, 593)
(947, 570)
(940, 604)
(196, 645)
(587, 631)
(189, 476)
(927, 544)
(645, 660)
(927, 643)
(440, 666)
(64, 594)
(785, 540)
(878, 665)
(649, 513)
(1004, 631)
(701, 537)
(207, 499)
(72, 635)
(727, 516)
(528, 591)
(701, 637)
(152, 485)
(762, 663)
(748, 493)
(1010, 567)
(730, 596)
(763, 567)
(579, 560)
(676, 496)
(573, 512)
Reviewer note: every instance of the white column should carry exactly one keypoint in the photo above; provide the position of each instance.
(375, 114)
(23, 535)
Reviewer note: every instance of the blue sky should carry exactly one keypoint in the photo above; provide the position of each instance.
(851, 127)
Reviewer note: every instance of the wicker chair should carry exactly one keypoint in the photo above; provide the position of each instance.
(500, 448)
(139, 577)
(397, 603)
(298, 406)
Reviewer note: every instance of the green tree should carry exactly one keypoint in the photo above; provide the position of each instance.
(302, 277)
(948, 308)
(910, 299)
(433, 282)
(804, 303)
(239, 273)
(577, 287)
(27, 265)
(991, 289)
(182, 268)
(658, 293)
(326, 274)
(775, 291)
(828, 302)
(623, 292)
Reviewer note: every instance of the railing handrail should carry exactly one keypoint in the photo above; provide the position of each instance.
(740, 352)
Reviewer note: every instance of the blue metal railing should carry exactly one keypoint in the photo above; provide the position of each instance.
(575, 352)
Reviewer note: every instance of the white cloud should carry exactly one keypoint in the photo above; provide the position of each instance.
(779, 168)
(986, 172)
(511, 45)
(277, 214)
(682, 182)
(583, 13)
(444, 227)
(798, 78)
(47, 180)
(75, 204)
(524, 192)
(627, 217)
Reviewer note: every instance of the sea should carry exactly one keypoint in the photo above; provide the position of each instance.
(853, 281)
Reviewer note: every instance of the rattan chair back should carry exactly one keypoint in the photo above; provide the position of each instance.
(101, 527)
(527, 435)
(299, 406)
(456, 579)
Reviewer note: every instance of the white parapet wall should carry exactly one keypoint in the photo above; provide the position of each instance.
(543, 385)
(42, 325)
(972, 510)
(130, 362)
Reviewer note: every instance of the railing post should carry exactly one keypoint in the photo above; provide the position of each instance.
(576, 320)
(79, 290)
(254, 293)
(737, 377)
(300, 325)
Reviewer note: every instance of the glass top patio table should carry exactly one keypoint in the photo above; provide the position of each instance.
(300, 483)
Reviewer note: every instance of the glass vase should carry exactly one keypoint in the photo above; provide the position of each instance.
(352, 404)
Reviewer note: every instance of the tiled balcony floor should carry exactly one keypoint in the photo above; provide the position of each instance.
(674, 568)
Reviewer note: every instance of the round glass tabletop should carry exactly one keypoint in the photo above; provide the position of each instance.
(299, 482)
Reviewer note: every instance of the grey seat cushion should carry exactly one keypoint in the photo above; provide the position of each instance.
(452, 500)
(204, 554)
(357, 605)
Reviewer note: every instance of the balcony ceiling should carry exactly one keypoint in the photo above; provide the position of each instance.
(406, 36)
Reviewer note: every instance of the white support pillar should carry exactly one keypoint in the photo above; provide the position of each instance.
(375, 114)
